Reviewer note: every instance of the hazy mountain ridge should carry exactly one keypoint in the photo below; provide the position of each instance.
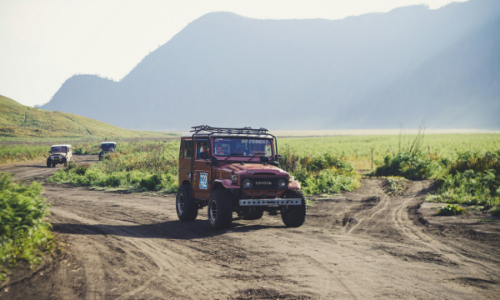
(296, 74)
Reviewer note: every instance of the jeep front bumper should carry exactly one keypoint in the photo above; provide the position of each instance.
(266, 202)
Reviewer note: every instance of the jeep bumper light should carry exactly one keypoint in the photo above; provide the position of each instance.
(234, 178)
(247, 184)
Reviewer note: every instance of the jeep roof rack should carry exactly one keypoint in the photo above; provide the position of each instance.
(244, 130)
(206, 130)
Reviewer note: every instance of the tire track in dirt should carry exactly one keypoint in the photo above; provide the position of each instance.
(38, 170)
(407, 227)
(159, 256)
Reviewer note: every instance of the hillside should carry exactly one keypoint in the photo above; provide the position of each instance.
(17, 120)
(369, 71)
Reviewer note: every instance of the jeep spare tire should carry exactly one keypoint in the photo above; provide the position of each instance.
(187, 209)
(220, 209)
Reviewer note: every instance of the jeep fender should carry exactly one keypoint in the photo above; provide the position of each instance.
(294, 186)
(227, 183)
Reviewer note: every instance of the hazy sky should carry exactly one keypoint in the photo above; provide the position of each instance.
(44, 42)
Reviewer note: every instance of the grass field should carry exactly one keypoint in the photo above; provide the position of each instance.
(357, 149)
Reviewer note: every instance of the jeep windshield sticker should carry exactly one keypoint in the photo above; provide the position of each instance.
(269, 151)
(203, 181)
(255, 141)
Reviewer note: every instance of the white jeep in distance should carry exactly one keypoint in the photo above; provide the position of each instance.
(59, 154)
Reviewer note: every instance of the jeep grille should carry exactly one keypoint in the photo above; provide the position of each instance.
(264, 183)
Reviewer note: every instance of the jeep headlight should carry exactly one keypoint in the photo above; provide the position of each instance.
(234, 179)
(281, 183)
(247, 184)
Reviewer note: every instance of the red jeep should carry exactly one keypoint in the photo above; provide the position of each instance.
(235, 170)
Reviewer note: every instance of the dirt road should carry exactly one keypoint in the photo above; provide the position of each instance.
(357, 245)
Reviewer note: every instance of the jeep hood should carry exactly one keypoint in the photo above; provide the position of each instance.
(249, 169)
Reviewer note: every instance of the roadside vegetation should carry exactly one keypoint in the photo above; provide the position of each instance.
(152, 165)
(321, 173)
(19, 150)
(466, 177)
(451, 210)
(24, 234)
(134, 167)
(473, 180)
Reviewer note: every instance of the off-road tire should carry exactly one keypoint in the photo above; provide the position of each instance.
(187, 209)
(53, 165)
(255, 215)
(220, 209)
(49, 163)
(294, 215)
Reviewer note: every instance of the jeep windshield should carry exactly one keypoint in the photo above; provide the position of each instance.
(243, 147)
(107, 146)
(58, 149)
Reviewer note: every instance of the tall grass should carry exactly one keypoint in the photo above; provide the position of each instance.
(320, 174)
(16, 153)
(474, 179)
(24, 234)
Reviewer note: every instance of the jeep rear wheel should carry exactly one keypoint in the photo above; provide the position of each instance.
(220, 209)
(294, 215)
(187, 210)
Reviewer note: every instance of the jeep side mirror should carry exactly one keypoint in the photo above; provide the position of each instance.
(50, 152)
(278, 157)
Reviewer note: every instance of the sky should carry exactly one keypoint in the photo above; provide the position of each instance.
(45, 42)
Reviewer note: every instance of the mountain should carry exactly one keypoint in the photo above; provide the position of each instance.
(369, 71)
(17, 120)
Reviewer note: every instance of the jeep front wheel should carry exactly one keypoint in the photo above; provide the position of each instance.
(49, 163)
(220, 209)
(294, 215)
(187, 210)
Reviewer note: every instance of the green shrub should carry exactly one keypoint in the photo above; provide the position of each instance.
(470, 182)
(24, 234)
(476, 161)
(397, 185)
(410, 165)
(81, 169)
(320, 174)
(450, 210)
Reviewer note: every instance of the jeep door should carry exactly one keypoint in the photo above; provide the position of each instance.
(185, 157)
(202, 170)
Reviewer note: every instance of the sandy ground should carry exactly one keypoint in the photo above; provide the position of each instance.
(358, 245)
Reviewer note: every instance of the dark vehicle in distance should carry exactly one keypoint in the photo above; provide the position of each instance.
(105, 148)
(235, 170)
